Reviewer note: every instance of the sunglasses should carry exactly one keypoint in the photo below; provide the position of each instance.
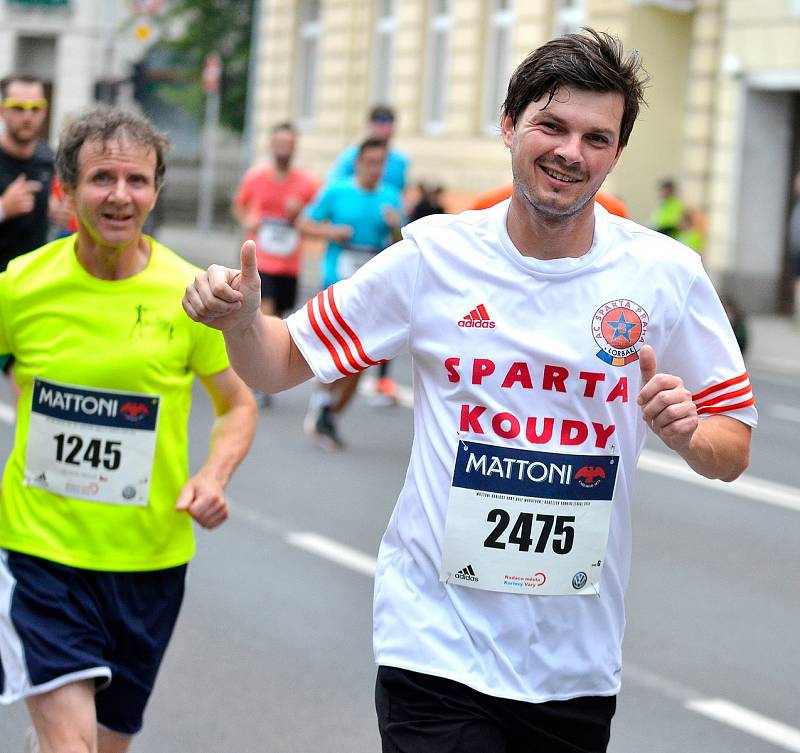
(34, 105)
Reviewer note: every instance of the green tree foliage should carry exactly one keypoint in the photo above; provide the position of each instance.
(222, 26)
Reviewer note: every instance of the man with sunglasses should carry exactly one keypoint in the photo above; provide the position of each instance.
(26, 167)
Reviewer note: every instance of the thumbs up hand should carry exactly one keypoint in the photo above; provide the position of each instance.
(223, 298)
(666, 405)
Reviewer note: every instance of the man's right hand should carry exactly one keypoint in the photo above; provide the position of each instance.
(340, 233)
(226, 299)
(19, 197)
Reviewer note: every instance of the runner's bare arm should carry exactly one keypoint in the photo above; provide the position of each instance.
(260, 348)
(325, 230)
(203, 495)
(715, 447)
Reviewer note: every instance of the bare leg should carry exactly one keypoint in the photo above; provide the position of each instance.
(65, 719)
(112, 742)
(342, 391)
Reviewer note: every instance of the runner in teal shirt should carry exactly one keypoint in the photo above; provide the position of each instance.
(359, 216)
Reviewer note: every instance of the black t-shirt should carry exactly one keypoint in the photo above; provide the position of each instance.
(25, 232)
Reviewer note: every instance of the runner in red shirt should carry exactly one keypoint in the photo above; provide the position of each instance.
(269, 200)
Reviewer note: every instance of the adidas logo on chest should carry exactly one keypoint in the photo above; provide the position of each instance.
(478, 318)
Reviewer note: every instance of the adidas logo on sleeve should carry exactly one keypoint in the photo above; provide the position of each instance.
(478, 318)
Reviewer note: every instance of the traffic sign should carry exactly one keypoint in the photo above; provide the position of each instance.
(146, 7)
(212, 71)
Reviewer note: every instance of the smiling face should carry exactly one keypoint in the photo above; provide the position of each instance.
(115, 191)
(560, 155)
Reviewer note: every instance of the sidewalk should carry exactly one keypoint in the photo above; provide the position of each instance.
(774, 340)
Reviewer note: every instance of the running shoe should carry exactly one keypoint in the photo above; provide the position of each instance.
(319, 424)
(385, 392)
(325, 430)
(263, 399)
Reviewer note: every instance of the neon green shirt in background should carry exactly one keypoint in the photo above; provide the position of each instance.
(64, 325)
(667, 216)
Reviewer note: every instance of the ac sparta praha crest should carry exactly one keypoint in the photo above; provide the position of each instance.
(619, 329)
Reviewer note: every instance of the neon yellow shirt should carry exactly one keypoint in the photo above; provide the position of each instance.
(66, 326)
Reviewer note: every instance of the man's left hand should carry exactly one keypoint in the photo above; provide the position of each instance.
(667, 406)
(204, 499)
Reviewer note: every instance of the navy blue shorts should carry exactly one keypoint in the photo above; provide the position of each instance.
(61, 624)
(420, 713)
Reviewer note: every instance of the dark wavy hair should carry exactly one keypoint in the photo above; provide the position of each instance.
(105, 124)
(593, 61)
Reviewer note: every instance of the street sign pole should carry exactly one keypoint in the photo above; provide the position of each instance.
(212, 70)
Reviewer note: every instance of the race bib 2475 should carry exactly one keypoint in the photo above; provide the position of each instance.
(528, 522)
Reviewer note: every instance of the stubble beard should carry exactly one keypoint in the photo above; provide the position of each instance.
(550, 215)
(283, 163)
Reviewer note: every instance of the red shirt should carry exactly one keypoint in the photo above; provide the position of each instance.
(274, 204)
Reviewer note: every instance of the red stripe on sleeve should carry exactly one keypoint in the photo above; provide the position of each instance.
(346, 327)
(335, 332)
(325, 341)
(725, 396)
(720, 386)
(726, 408)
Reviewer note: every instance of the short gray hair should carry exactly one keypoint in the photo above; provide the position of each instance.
(105, 124)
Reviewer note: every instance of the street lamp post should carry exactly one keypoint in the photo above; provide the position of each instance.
(212, 71)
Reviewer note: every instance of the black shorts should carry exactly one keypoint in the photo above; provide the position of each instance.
(61, 624)
(419, 713)
(282, 289)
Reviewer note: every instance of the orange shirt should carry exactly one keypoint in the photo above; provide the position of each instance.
(58, 194)
(274, 204)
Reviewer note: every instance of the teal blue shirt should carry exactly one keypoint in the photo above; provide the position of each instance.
(346, 203)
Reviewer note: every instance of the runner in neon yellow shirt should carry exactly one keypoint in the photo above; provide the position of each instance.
(96, 499)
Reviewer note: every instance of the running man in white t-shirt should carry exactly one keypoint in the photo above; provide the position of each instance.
(546, 337)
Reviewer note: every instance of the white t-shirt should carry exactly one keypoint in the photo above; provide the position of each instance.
(517, 361)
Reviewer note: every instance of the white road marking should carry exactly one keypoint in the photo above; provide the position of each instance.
(743, 719)
(785, 412)
(334, 551)
(752, 487)
(647, 679)
(7, 414)
(718, 709)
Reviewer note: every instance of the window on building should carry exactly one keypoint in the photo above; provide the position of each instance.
(440, 24)
(309, 38)
(498, 61)
(383, 55)
(570, 15)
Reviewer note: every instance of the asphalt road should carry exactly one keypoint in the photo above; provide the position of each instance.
(273, 649)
